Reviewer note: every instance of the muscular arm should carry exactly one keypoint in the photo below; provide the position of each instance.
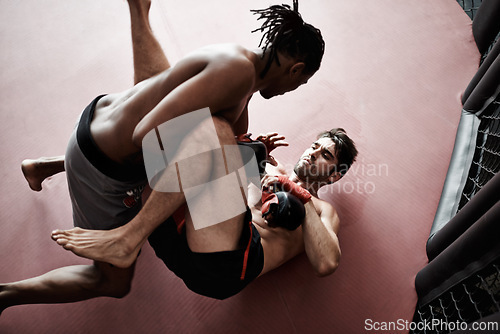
(241, 125)
(201, 83)
(317, 236)
(320, 230)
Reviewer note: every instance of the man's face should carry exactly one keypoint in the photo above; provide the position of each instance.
(317, 162)
(284, 85)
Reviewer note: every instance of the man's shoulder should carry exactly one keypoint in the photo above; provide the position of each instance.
(231, 56)
(323, 206)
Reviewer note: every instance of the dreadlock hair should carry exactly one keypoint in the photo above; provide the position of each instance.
(286, 32)
(345, 149)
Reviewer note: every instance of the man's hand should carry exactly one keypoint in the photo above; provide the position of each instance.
(273, 183)
(272, 140)
(270, 183)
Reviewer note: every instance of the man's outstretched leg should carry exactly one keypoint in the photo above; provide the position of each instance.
(68, 284)
(120, 246)
(149, 58)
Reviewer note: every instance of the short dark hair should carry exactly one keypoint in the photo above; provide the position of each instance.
(345, 149)
(286, 32)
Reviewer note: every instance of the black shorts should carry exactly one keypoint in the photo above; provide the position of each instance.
(104, 194)
(217, 275)
(104, 164)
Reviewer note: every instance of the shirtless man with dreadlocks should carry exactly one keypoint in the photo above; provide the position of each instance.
(109, 137)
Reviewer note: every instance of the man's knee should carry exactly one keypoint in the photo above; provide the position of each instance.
(224, 130)
(220, 122)
(119, 290)
(111, 281)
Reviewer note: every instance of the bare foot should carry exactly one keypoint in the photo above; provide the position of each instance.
(105, 246)
(36, 171)
(32, 174)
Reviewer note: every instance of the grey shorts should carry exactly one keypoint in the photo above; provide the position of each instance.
(104, 194)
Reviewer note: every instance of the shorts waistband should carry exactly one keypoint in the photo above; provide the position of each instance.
(97, 158)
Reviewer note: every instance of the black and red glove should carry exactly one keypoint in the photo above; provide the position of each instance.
(258, 147)
(268, 199)
(282, 209)
(293, 188)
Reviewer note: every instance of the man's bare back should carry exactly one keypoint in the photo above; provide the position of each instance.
(221, 77)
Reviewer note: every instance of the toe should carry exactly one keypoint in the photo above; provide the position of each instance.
(62, 241)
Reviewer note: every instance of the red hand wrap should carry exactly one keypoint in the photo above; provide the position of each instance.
(268, 199)
(293, 188)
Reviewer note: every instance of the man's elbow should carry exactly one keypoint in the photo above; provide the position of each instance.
(326, 268)
(137, 137)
